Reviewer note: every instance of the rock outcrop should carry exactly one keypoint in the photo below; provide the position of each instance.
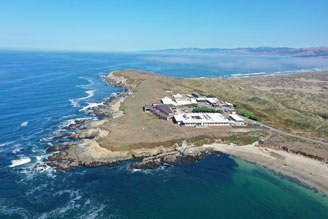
(83, 148)
(186, 155)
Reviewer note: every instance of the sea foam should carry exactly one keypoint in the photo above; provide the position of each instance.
(23, 124)
(21, 161)
(6, 143)
(90, 106)
(75, 102)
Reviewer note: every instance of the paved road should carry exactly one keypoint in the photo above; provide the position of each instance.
(287, 133)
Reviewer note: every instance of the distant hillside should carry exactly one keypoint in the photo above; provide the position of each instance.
(279, 51)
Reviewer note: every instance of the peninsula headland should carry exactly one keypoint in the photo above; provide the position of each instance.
(284, 125)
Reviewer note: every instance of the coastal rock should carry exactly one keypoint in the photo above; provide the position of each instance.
(77, 123)
(147, 152)
(85, 152)
(188, 155)
(58, 147)
(101, 112)
(89, 153)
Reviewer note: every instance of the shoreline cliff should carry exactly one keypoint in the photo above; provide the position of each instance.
(83, 147)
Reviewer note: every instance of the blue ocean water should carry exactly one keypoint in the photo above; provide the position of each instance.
(41, 92)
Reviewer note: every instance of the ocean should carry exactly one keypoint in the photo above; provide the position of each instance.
(42, 92)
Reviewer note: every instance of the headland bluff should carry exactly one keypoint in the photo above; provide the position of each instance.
(284, 125)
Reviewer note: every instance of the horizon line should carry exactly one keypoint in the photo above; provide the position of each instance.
(151, 50)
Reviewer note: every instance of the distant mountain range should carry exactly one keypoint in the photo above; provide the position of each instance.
(279, 51)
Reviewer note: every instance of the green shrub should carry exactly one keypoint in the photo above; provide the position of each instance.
(194, 105)
(250, 116)
(205, 109)
(211, 96)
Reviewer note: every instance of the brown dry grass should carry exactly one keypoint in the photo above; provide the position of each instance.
(296, 103)
(136, 126)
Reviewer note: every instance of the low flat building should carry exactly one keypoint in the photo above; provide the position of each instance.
(236, 118)
(197, 95)
(212, 100)
(193, 100)
(201, 119)
(182, 102)
(201, 99)
(166, 109)
(168, 101)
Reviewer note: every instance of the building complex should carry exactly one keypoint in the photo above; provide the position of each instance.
(176, 108)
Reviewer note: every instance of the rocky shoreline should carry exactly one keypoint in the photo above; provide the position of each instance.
(79, 146)
(82, 147)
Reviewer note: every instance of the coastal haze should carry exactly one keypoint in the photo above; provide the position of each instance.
(80, 83)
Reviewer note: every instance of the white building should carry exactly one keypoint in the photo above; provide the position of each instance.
(182, 102)
(168, 101)
(236, 118)
(201, 119)
(212, 100)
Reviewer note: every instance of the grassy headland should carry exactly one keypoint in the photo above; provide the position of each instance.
(295, 103)
(137, 127)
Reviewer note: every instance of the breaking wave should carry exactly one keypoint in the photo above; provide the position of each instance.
(75, 102)
(23, 124)
(19, 162)
(90, 106)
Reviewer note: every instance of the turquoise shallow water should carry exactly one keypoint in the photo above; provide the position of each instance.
(40, 92)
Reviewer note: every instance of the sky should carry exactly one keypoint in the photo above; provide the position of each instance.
(137, 25)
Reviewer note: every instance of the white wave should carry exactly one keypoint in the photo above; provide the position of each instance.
(114, 94)
(70, 122)
(248, 74)
(71, 116)
(6, 143)
(16, 150)
(75, 102)
(236, 75)
(14, 211)
(21, 161)
(134, 170)
(72, 204)
(86, 86)
(62, 125)
(94, 213)
(258, 73)
(90, 93)
(23, 124)
(41, 167)
(90, 106)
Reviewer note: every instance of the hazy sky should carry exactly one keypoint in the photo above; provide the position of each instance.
(132, 25)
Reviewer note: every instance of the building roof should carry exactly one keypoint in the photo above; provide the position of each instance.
(212, 100)
(200, 99)
(201, 118)
(236, 118)
(176, 96)
(182, 102)
(164, 109)
(167, 100)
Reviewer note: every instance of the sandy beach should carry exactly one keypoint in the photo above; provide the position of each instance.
(310, 172)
